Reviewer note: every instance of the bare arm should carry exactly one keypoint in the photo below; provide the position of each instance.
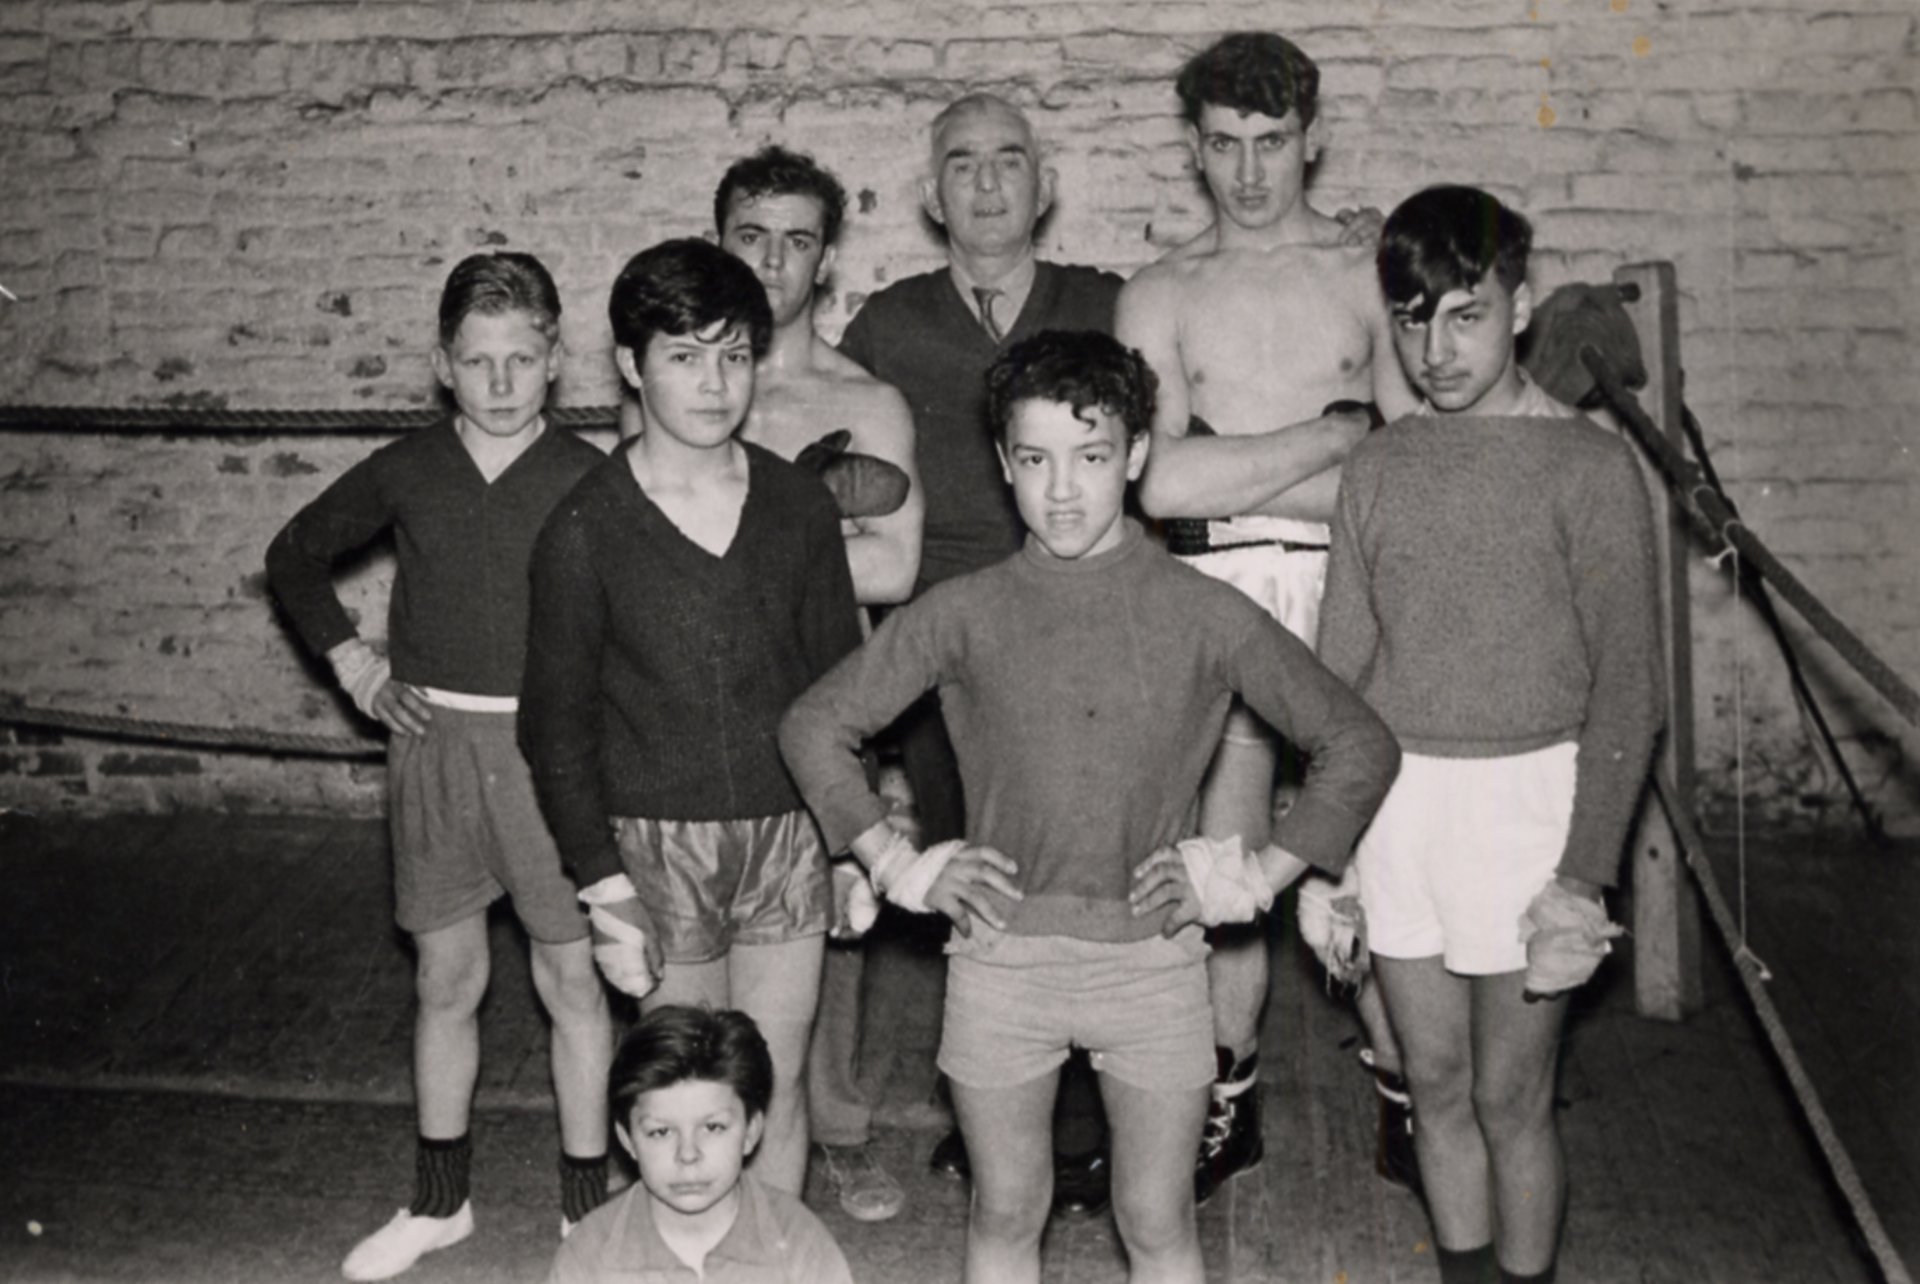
(1222, 476)
(1391, 391)
(884, 552)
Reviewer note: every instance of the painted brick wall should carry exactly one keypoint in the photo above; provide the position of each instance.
(251, 203)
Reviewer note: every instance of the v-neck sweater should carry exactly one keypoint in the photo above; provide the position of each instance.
(1085, 698)
(657, 671)
(457, 614)
(919, 335)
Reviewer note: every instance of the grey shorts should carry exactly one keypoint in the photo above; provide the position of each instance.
(712, 884)
(467, 828)
(1016, 1004)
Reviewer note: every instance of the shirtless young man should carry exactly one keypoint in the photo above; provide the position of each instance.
(780, 214)
(1256, 327)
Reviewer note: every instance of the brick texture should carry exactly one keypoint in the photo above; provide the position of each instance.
(252, 203)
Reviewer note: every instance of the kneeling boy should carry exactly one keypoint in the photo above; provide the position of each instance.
(1491, 592)
(1085, 681)
(689, 1093)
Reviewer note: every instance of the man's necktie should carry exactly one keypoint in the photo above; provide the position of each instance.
(985, 297)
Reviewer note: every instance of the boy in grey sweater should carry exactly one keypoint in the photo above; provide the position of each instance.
(1491, 594)
(1085, 681)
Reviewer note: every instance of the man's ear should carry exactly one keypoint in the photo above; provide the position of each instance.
(756, 1125)
(554, 352)
(1048, 180)
(629, 368)
(1006, 465)
(1316, 138)
(1137, 455)
(626, 1140)
(443, 368)
(828, 257)
(930, 200)
(1522, 308)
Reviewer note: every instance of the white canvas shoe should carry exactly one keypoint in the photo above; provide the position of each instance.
(403, 1241)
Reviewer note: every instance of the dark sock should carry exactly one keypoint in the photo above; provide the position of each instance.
(440, 1176)
(1469, 1265)
(583, 1184)
(1227, 1070)
(1543, 1277)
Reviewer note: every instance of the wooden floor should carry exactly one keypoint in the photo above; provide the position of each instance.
(204, 1041)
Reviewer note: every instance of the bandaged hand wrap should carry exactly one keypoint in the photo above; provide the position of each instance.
(1230, 884)
(905, 876)
(1566, 936)
(854, 900)
(361, 672)
(1334, 926)
(619, 947)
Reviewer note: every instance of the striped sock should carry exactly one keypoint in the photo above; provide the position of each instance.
(583, 1184)
(440, 1176)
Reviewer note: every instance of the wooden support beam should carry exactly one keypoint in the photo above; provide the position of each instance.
(1666, 909)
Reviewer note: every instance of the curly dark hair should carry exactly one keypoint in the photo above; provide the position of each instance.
(1250, 71)
(775, 171)
(1082, 368)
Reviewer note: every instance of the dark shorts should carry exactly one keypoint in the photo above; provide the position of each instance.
(712, 884)
(467, 829)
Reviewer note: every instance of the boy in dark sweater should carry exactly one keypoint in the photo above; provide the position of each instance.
(1085, 681)
(683, 595)
(464, 500)
(1491, 593)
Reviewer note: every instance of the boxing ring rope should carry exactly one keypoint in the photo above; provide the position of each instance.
(220, 422)
(1714, 519)
(1719, 525)
(1724, 530)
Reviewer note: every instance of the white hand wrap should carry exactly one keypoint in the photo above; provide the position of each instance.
(1229, 883)
(904, 876)
(1566, 936)
(1334, 926)
(619, 947)
(853, 897)
(361, 672)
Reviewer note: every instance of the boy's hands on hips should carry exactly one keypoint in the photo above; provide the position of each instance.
(960, 889)
(402, 708)
(1161, 880)
(950, 878)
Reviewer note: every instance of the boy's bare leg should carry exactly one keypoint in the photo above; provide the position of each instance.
(1237, 798)
(1432, 1012)
(1372, 1011)
(1010, 1143)
(837, 1112)
(1154, 1135)
(1516, 1047)
(451, 971)
(581, 1045)
(778, 986)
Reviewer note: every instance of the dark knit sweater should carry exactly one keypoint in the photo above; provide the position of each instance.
(657, 672)
(1085, 699)
(1491, 591)
(918, 335)
(457, 617)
